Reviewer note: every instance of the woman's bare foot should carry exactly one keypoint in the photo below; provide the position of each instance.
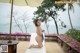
(31, 46)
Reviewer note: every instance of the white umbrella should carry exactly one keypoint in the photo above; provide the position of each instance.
(33, 3)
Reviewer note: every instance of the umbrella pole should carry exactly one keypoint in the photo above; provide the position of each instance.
(11, 22)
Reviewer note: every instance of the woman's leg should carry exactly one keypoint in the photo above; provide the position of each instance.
(39, 41)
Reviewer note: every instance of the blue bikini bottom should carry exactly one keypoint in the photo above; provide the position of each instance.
(42, 38)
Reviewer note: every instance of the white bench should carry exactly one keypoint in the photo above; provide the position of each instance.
(33, 41)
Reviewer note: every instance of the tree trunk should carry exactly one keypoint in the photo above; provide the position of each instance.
(47, 27)
(70, 18)
(56, 25)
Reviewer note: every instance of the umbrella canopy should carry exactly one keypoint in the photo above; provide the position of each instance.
(33, 3)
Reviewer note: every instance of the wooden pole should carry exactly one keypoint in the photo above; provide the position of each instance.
(11, 21)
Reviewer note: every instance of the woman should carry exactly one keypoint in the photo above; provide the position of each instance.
(39, 38)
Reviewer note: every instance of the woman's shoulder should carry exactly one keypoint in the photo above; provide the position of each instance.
(39, 27)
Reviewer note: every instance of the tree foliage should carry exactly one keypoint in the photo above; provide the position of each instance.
(47, 9)
(74, 33)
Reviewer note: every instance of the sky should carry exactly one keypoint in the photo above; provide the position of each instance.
(26, 12)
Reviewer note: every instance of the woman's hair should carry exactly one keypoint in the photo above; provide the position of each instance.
(35, 22)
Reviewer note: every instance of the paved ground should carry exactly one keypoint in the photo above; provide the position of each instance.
(51, 47)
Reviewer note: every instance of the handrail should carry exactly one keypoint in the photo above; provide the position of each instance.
(25, 35)
(70, 42)
(15, 34)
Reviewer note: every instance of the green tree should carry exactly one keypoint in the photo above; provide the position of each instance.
(74, 33)
(49, 9)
